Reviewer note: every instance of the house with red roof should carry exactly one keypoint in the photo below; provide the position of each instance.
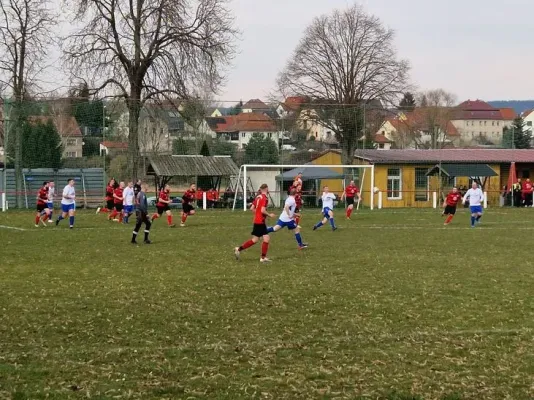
(479, 123)
(69, 131)
(109, 148)
(238, 129)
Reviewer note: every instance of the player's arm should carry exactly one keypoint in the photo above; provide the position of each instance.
(359, 195)
(467, 194)
(343, 195)
(266, 213)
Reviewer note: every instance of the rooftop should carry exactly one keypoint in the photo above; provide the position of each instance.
(191, 166)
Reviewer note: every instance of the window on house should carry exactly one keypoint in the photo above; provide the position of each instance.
(480, 123)
(394, 184)
(234, 136)
(161, 131)
(71, 142)
(492, 123)
(305, 124)
(270, 135)
(421, 184)
(71, 154)
(529, 123)
(380, 145)
(497, 123)
(243, 135)
(485, 123)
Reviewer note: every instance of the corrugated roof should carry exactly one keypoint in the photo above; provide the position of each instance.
(461, 170)
(191, 166)
(446, 155)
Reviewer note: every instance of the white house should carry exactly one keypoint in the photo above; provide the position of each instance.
(255, 106)
(528, 117)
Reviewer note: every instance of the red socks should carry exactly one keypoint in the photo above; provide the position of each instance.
(264, 248)
(104, 210)
(184, 217)
(349, 212)
(37, 218)
(449, 219)
(155, 216)
(297, 220)
(45, 218)
(113, 214)
(246, 245)
(169, 219)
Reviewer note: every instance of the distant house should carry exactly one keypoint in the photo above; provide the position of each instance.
(255, 106)
(380, 141)
(528, 117)
(68, 130)
(113, 148)
(238, 129)
(291, 106)
(480, 123)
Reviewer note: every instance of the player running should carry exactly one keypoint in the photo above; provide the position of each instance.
(350, 192)
(43, 212)
(118, 201)
(128, 203)
(259, 229)
(298, 202)
(141, 213)
(50, 203)
(476, 197)
(287, 219)
(68, 204)
(450, 203)
(328, 207)
(162, 206)
(110, 188)
(188, 200)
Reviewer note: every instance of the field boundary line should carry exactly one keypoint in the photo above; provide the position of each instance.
(12, 228)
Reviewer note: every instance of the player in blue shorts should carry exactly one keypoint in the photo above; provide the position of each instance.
(68, 204)
(128, 196)
(328, 209)
(476, 197)
(287, 219)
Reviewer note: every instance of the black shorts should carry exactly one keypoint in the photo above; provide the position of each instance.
(187, 208)
(110, 204)
(350, 201)
(118, 207)
(41, 207)
(449, 210)
(259, 230)
(163, 209)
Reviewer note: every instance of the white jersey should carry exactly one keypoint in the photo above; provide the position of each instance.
(328, 200)
(51, 193)
(128, 196)
(69, 195)
(475, 196)
(291, 205)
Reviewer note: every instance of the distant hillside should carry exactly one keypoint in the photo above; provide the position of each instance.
(518, 105)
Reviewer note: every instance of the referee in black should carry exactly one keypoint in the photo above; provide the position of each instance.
(141, 213)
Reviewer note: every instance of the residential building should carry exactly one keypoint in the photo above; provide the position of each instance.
(255, 106)
(113, 148)
(291, 106)
(238, 129)
(68, 130)
(406, 178)
(528, 117)
(480, 123)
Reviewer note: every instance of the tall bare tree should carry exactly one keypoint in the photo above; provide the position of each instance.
(344, 61)
(435, 113)
(150, 49)
(25, 36)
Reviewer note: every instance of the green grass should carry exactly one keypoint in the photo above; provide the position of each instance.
(391, 306)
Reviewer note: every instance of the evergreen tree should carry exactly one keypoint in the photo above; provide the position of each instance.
(235, 110)
(41, 145)
(518, 135)
(407, 103)
(204, 150)
(261, 150)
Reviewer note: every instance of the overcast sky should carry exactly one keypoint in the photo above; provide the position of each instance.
(473, 48)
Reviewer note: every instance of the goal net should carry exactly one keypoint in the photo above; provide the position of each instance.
(314, 178)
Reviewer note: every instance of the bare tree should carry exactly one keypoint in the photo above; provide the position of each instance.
(435, 114)
(25, 35)
(344, 61)
(150, 49)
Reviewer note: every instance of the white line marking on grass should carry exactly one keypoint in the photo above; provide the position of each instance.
(12, 227)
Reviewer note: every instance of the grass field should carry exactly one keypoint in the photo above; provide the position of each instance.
(391, 306)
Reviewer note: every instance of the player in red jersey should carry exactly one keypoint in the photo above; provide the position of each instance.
(350, 192)
(298, 180)
(188, 200)
(259, 229)
(118, 202)
(164, 199)
(450, 203)
(110, 188)
(298, 201)
(42, 205)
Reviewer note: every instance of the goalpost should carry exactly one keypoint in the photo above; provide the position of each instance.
(246, 169)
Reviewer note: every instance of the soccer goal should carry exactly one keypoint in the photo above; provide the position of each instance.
(314, 177)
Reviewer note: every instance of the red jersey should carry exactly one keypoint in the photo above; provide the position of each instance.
(527, 187)
(109, 192)
(163, 195)
(42, 196)
(351, 191)
(453, 199)
(188, 197)
(260, 202)
(199, 194)
(298, 200)
(118, 193)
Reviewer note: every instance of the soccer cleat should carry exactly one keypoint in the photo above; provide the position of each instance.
(133, 242)
(42, 222)
(314, 228)
(334, 228)
(50, 221)
(299, 227)
(172, 226)
(147, 241)
(182, 224)
(303, 246)
(57, 222)
(237, 253)
(265, 260)
(115, 220)
(37, 225)
(97, 210)
(71, 227)
(446, 223)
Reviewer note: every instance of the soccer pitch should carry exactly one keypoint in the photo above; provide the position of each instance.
(392, 305)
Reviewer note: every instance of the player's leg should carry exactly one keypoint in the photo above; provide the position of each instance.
(138, 222)
(331, 219)
(473, 217)
(64, 213)
(37, 217)
(72, 213)
(265, 248)
(169, 218)
(349, 210)
(275, 228)
(148, 224)
(298, 237)
(158, 213)
(50, 211)
(45, 215)
(320, 223)
(249, 243)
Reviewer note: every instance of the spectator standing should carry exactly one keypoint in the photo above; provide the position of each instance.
(527, 193)
(516, 193)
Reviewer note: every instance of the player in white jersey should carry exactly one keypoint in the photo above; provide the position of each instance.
(476, 197)
(128, 196)
(328, 209)
(51, 193)
(287, 219)
(68, 203)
